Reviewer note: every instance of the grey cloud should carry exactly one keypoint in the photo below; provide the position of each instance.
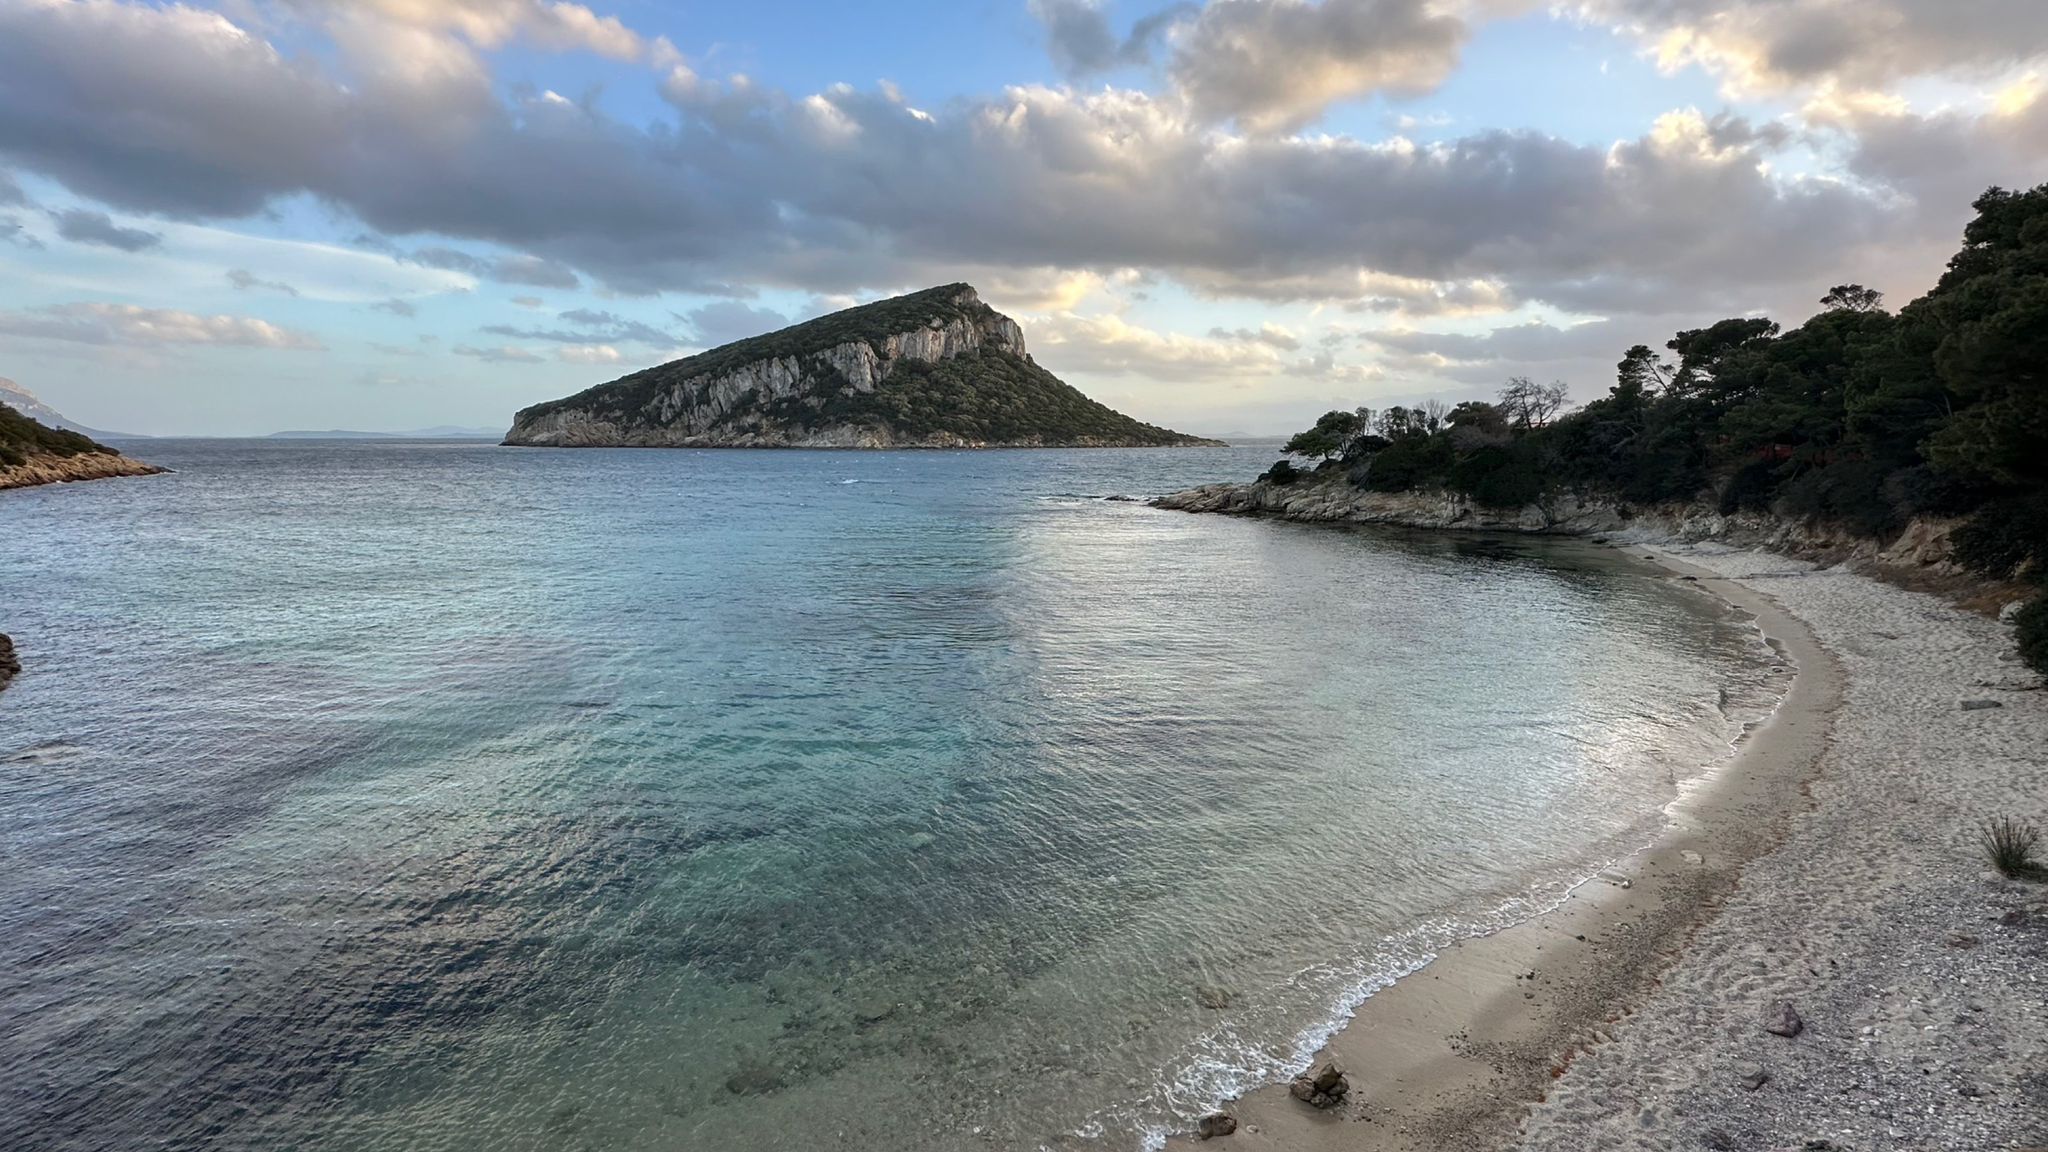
(1081, 43)
(528, 301)
(11, 195)
(1869, 44)
(848, 190)
(245, 281)
(723, 321)
(503, 355)
(1268, 335)
(518, 268)
(84, 226)
(396, 307)
(1276, 64)
(591, 327)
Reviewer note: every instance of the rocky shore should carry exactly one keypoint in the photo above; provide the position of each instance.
(1815, 954)
(48, 468)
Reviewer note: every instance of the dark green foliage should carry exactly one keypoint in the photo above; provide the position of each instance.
(2032, 625)
(1330, 437)
(1283, 472)
(22, 437)
(1856, 417)
(2002, 537)
(991, 396)
(2010, 844)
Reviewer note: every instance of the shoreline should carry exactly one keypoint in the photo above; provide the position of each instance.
(1833, 865)
(45, 468)
(1454, 1054)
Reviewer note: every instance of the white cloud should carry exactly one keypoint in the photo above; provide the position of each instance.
(502, 354)
(588, 354)
(135, 326)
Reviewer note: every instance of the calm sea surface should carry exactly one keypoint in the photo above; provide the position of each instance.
(420, 796)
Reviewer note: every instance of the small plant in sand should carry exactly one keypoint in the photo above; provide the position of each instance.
(2010, 844)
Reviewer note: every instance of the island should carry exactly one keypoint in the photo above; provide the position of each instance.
(932, 369)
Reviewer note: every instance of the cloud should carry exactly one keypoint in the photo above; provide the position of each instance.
(1108, 345)
(589, 326)
(723, 321)
(491, 24)
(181, 112)
(1272, 335)
(1771, 46)
(517, 268)
(1081, 43)
(130, 325)
(504, 354)
(589, 354)
(1274, 65)
(244, 280)
(11, 195)
(84, 226)
(528, 301)
(396, 307)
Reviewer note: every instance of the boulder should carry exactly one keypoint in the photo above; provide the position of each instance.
(1781, 1019)
(10, 664)
(1322, 1087)
(1212, 996)
(1979, 705)
(1753, 1076)
(1215, 1124)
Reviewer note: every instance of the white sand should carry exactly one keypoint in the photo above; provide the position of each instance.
(1926, 1008)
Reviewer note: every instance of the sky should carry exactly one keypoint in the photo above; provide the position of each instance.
(1223, 216)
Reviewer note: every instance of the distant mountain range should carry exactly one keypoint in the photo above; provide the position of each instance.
(25, 402)
(438, 432)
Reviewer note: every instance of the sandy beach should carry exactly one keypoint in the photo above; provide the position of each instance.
(1832, 864)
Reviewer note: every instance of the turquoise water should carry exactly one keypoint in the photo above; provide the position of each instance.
(409, 796)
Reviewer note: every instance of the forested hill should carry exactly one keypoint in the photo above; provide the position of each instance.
(1861, 417)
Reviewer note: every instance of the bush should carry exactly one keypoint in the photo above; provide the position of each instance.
(2032, 624)
(2010, 845)
(2005, 536)
(1283, 473)
(1749, 490)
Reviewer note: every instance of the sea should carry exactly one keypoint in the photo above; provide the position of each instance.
(406, 796)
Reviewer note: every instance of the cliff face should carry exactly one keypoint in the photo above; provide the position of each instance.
(937, 368)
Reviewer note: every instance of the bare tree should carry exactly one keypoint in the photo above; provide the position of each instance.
(1527, 404)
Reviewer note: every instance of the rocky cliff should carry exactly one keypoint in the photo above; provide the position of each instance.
(1922, 550)
(934, 369)
(34, 453)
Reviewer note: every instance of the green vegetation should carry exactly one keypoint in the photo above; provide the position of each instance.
(1858, 417)
(22, 437)
(2010, 845)
(992, 396)
(2031, 627)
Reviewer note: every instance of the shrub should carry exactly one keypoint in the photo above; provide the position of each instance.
(2010, 844)
(2002, 537)
(2032, 626)
(1283, 472)
(1750, 488)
